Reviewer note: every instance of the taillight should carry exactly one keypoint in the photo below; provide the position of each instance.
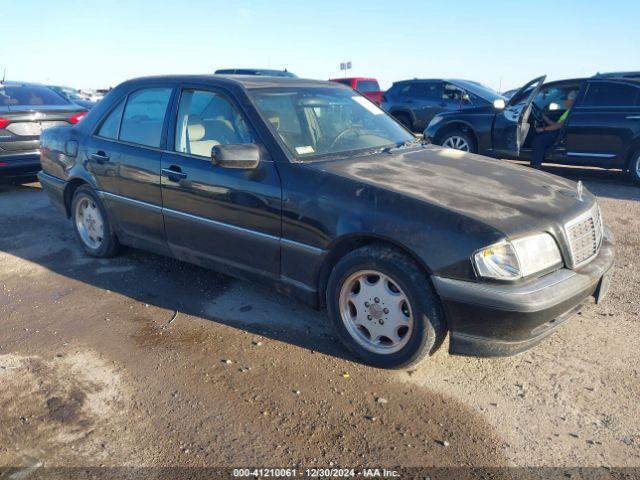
(76, 117)
(4, 122)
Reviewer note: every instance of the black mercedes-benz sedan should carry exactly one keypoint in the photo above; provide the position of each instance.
(25, 111)
(310, 188)
(601, 130)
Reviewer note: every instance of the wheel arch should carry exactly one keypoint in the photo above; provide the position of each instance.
(632, 151)
(69, 190)
(347, 243)
(457, 125)
(403, 111)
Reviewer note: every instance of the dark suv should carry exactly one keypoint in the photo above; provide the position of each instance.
(415, 102)
(602, 129)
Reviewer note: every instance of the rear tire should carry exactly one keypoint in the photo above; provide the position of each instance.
(634, 167)
(91, 224)
(405, 120)
(383, 308)
(459, 140)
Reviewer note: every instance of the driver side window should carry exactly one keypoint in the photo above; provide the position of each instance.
(206, 119)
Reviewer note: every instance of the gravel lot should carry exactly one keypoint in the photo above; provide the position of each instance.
(141, 360)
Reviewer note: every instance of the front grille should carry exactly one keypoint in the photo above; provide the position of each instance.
(585, 236)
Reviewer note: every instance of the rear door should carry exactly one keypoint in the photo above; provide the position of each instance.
(124, 153)
(424, 98)
(511, 125)
(603, 124)
(218, 216)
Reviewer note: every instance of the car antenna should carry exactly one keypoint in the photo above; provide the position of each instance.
(4, 75)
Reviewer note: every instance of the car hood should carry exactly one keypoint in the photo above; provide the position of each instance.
(511, 198)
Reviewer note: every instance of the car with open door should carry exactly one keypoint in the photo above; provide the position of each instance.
(309, 188)
(601, 130)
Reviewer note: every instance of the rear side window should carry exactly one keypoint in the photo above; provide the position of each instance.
(144, 116)
(368, 86)
(111, 124)
(603, 94)
(31, 95)
(424, 90)
(344, 81)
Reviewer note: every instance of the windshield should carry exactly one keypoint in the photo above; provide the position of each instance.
(317, 122)
(71, 93)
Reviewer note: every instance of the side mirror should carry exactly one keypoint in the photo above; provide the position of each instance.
(499, 104)
(245, 156)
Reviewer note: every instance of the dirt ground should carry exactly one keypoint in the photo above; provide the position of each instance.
(145, 361)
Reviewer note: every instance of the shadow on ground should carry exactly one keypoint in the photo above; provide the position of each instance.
(41, 235)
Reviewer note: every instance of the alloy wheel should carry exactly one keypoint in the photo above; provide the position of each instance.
(376, 312)
(457, 143)
(89, 222)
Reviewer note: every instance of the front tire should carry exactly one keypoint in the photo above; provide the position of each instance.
(91, 224)
(459, 140)
(383, 308)
(634, 168)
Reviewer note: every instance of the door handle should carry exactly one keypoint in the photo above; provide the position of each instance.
(100, 157)
(633, 117)
(174, 173)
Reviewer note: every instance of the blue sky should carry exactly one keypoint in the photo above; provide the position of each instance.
(101, 43)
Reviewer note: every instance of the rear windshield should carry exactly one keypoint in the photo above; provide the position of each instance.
(368, 86)
(11, 95)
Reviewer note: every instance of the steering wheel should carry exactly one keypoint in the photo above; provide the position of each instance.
(342, 134)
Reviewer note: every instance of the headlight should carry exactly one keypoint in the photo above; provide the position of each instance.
(519, 258)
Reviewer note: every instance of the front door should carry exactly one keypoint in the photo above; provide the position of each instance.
(511, 125)
(603, 124)
(214, 216)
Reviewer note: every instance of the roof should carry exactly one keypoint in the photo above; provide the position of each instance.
(245, 81)
(16, 83)
(352, 78)
(633, 80)
(631, 74)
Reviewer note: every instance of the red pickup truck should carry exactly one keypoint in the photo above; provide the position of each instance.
(367, 86)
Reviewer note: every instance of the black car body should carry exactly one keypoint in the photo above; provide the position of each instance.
(331, 216)
(25, 111)
(415, 102)
(602, 129)
(255, 71)
(73, 96)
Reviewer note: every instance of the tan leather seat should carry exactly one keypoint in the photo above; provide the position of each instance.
(200, 142)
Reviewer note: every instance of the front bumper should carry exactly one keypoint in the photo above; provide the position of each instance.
(501, 320)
